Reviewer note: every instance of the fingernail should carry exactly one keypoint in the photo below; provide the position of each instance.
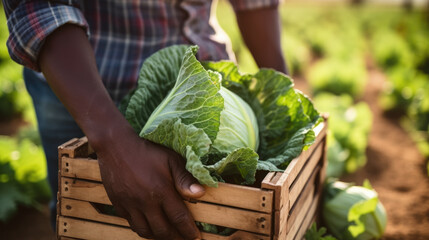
(196, 188)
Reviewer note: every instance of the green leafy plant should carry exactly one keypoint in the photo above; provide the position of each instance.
(22, 176)
(419, 108)
(338, 77)
(11, 194)
(11, 86)
(14, 100)
(417, 120)
(4, 33)
(418, 45)
(352, 212)
(349, 126)
(317, 234)
(207, 114)
(390, 50)
(400, 89)
(296, 52)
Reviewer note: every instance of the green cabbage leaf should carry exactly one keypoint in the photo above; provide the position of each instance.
(353, 212)
(227, 125)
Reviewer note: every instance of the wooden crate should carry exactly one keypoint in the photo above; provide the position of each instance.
(282, 208)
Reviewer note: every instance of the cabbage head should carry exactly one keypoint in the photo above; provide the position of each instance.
(353, 212)
(225, 124)
(238, 125)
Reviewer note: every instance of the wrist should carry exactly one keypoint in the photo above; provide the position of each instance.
(108, 132)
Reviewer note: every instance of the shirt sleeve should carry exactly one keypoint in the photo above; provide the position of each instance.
(243, 5)
(30, 22)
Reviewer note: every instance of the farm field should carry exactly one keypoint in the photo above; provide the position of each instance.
(368, 66)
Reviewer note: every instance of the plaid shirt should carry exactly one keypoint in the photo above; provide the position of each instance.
(122, 33)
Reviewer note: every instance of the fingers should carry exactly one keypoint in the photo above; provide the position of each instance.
(184, 182)
(160, 226)
(121, 211)
(179, 216)
(139, 225)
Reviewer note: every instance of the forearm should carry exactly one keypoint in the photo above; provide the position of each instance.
(68, 63)
(260, 30)
(126, 161)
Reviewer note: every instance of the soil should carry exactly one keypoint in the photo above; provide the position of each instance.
(395, 169)
(11, 126)
(28, 224)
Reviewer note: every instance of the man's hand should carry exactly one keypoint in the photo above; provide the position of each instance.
(143, 180)
(145, 187)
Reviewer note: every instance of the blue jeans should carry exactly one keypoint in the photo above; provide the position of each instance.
(56, 126)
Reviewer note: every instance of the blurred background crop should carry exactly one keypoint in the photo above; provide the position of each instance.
(365, 62)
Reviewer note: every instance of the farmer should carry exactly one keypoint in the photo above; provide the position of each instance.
(83, 57)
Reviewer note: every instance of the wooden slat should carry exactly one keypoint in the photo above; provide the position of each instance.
(309, 218)
(239, 235)
(231, 217)
(85, 210)
(70, 227)
(290, 192)
(225, 194)
(282, 187)
(303, 224)
(297, 186)
(240, 196)
(82, 168)
(276, 181)
(308, 192)
(281, 183)
(296, 165)
(76, 228)
(324, 163)
(288, 215)
(300, 217)
(84, 190)
(75, 148)
(281, 223)
(204, 212)
(64, 148)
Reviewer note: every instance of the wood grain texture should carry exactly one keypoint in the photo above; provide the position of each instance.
(300, 217)
(225, 194)
(84, 190)
(277, 181)
(309, 217)
(82, 168)
(85, 210)
(76, 147)
(303, 177)
(297, 164)
(71, 228)
(308, 192)
(231, 217)
(287, 186)
(226, 216)
(239, 235)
